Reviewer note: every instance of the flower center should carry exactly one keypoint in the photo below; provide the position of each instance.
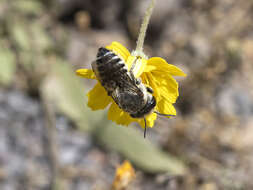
(139, 54)
(136, 65)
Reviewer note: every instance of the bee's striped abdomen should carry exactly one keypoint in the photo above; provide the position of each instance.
(109, 69)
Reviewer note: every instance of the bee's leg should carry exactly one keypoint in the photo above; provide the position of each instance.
(109, 93)
(150, 90)
(132, 76)
(145, 129)
(137, 81)
(132, 71)
(162, 114)
(115, 96)
(133, 65)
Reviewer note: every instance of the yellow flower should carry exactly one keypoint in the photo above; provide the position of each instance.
(154, 72)
(123, 176)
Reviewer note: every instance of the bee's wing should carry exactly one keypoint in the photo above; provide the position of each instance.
(127, 84)
(128, 96)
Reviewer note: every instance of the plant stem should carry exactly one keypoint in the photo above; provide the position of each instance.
(143, 29)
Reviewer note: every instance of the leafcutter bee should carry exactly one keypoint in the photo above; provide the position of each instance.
(127, 91)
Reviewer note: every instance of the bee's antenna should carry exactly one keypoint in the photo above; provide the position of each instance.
(145, 129)
(162, 114)
(132, 70)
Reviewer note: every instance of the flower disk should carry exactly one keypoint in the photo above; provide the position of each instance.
(154, 72)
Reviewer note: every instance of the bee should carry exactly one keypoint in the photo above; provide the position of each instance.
(127, 91)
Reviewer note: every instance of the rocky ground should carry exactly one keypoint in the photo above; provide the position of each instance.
(212, 135)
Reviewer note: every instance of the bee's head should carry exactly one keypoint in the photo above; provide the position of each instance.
(149, 105)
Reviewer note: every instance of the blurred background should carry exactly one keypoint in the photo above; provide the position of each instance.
(50, 139)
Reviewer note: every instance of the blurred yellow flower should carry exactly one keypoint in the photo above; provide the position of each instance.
(123, 176)
(154, 72)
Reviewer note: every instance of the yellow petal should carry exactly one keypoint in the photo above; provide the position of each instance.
(86, 73)
(153, 84)
(98, 98)
(150, 68)
(166, 81)
(171, 84)
(167, 95)
(119, 50)
(150, 120)
(139, 65)
(159, 64)
(130, 61)
(119, 116)
(145, 80)
(166, 107)
(114, 112)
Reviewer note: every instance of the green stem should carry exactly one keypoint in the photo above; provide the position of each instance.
(144, 26)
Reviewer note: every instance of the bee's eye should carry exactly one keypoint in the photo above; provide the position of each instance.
(150, 90)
